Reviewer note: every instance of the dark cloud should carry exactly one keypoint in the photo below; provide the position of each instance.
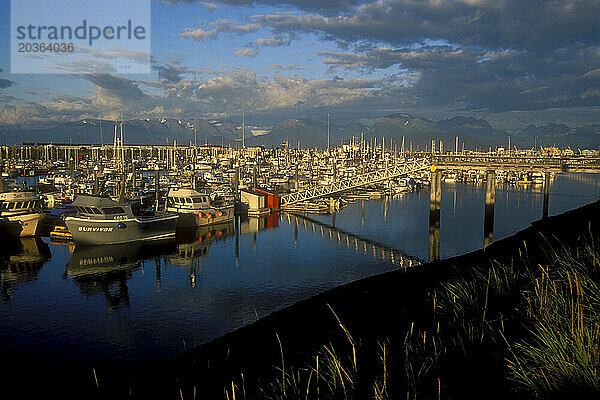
(501, 56)
(536, 25)
(169, 73)
(4, 83)
(511, 81)
(121, 87)
(213, 29)
(385, 57)
(275, 41)
(511, 54)
(326, 7)
(281, 67)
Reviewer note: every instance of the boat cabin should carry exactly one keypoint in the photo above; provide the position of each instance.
(19, 201)
(187, 199)
(97, 207)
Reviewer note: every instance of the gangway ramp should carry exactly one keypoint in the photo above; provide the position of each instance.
(355, 182)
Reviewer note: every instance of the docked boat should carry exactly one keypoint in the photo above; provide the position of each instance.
(101, 220)
(306, 207)
(537, 178)
(23, 207)
(197, 209)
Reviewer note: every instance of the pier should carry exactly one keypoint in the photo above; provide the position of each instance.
(518, 162)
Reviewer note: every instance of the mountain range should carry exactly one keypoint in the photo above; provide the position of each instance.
(415, 132)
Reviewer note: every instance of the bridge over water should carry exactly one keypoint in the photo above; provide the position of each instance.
(517, 162)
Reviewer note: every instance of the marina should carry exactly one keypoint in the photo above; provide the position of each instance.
(143, 253)
(138, 302)
(147, 192)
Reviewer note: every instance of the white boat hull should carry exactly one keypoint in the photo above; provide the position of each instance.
(29, 222)
(87, 231)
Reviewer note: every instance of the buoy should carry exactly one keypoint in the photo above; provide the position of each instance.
(210, 216)
(220, 213)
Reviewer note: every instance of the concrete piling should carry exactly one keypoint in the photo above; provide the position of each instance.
(435, 201)
(490, 200)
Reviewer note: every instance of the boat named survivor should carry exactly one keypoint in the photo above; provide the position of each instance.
(100, 220)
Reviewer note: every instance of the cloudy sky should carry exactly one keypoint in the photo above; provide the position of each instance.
(513, 62)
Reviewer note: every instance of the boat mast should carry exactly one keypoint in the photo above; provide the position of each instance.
(327, 132)
(243, 123)
(101, 138)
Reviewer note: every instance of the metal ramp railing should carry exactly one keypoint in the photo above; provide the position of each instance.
(369, 178)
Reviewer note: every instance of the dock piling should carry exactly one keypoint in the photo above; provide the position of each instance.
(490, 200)
(435, 201)
(546, 194)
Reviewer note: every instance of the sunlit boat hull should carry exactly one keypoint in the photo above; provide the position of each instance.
(91, 232)
(207, 217)
(29, 222)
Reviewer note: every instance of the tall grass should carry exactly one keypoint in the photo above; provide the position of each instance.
(562, 315)
(542, 323)
(335, 372)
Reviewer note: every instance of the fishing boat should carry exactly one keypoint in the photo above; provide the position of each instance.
(537, 178)
(197, 209)
(101, 220)
(24, 207)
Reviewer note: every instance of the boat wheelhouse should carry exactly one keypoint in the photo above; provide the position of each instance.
(23, 207)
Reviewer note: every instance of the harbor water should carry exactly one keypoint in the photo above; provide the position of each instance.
(110, 304)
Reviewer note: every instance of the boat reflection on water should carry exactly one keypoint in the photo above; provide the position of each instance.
(105, 269)
(194, 243)
(23, 266)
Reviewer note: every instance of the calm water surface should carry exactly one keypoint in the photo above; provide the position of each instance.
(110, 304)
